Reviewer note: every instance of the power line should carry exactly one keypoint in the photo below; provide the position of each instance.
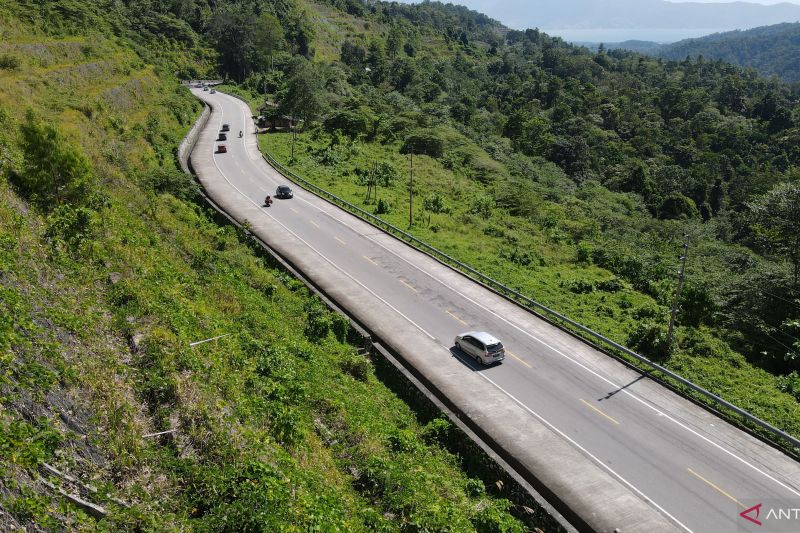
(781, 299)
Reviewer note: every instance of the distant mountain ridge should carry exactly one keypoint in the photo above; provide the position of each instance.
(582, 14)
(771, 50)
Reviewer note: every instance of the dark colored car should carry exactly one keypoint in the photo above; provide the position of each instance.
(283, 191)
(226, 127)
(222, 149)
(222, 137)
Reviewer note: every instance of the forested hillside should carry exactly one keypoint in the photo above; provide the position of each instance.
(570, 175)
(771, 50)
(110, 267)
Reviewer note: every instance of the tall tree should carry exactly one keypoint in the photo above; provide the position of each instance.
(268, 39)
(233, 27)
(303, 97)
(775, 221)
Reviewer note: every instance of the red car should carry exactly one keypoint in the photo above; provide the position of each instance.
(222, 149)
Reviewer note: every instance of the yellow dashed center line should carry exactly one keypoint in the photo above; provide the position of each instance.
(340, 240)
(370, 260)
(407, 284)
(518, 359)
(314, 224)
(598, 411)
(454, 316)
(716, 488)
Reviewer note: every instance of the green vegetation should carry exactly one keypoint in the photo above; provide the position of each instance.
(770, 50)
(110, 268)
(572, 176)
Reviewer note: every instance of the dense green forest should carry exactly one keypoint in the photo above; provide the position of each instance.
(770, 50)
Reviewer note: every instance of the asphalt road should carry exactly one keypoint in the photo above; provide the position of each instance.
(693, 468)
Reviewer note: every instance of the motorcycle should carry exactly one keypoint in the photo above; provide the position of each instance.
(267, 201)
(241, 134)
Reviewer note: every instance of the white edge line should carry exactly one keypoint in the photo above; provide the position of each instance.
(587, 452)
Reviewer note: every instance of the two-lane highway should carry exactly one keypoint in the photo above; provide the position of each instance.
(693, 469)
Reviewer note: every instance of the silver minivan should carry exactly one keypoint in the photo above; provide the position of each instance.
(481, 346)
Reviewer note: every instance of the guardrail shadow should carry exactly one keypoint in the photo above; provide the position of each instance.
(622, 388)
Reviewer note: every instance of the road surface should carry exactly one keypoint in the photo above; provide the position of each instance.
(616, 448)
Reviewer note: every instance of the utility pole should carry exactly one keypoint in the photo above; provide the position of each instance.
(681, 279)
(411, 192)
(294, 135)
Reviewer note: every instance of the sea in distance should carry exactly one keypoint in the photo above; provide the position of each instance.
(617, 35)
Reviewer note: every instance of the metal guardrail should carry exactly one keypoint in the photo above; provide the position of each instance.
(519, 298)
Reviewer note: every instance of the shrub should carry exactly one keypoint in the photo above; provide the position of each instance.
(696, 304)
(649, 339)
(482, 207)
(71, 227)
(166, 180)
(609, 285)
(578, 286)
(435, 204)
(55, 171)
(423, 143)
(790, 384)
(678, 206)
(521, 258)
(357, 366)
(382, 208)
(8, 62)
(350, 122)
(584, 253)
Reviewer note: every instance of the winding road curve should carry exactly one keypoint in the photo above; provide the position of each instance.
(609, 448)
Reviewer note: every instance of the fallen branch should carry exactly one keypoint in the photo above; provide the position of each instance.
(159, 433)
(93, 509)
(88, 488)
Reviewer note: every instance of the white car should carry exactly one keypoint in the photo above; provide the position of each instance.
(484, 347)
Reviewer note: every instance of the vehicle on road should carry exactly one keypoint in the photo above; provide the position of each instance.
(283, 191)
(222, 137)
(484, 347)
(213, 91)
(205, 89)
(222, 149)
(267, 201)
(226, 127)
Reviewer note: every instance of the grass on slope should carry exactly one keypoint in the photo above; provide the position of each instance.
(282, 426)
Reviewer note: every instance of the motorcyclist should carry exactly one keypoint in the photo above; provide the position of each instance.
(268, 201)
(241, 134)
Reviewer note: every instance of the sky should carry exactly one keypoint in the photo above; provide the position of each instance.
(613, 35)
(765, 2)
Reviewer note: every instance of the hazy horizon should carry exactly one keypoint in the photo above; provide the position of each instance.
(520, 20)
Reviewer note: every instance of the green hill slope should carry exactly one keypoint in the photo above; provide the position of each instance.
(771, 50)
(110, 268)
